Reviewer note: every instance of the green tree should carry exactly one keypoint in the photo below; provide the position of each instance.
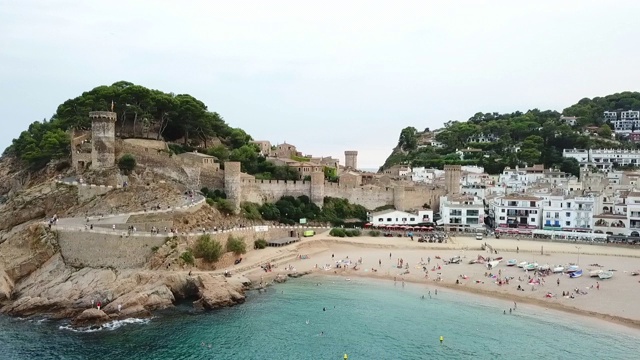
(408, 139)
(570, 166)
(605, 131)
(127, 163)
(208, 249)
(236, 245)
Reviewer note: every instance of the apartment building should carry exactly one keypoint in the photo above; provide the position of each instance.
(603, 159)
(459, 212)
(516, 211)
(568, 214)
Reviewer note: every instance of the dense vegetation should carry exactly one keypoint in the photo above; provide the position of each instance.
(145, 113)
(534, 137)
(289, 210)
(208, 249)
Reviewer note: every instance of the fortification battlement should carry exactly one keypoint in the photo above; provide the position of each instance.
(275, 182)
(351, 152)
(106, 115)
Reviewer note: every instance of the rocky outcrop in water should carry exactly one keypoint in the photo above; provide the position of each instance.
(63, 292)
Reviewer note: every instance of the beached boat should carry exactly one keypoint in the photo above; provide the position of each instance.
(635, 273)
(544, 267)
(572, 268)
(558, 269)
(575, 274)
(493, 264)
(595, 273)
(605, 275)
(512, 262)
(531, 266)
(523, 264)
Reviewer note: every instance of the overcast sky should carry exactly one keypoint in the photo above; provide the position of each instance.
(327, 76)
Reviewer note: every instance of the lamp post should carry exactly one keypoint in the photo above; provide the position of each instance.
(578, 247)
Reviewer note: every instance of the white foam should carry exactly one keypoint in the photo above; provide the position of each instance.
(110, 326)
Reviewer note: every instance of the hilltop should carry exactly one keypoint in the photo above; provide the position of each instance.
(494, 140)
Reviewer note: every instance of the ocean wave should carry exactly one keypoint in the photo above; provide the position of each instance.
(110, 326)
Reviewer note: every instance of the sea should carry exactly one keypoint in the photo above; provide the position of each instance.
(326, 318)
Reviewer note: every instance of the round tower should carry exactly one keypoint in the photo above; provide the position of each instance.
(103, 139)
(452, 174)
(398, 197)
(233, 183)
(317, 188)
(351, 159)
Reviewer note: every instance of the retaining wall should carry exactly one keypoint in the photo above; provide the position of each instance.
(108, 248)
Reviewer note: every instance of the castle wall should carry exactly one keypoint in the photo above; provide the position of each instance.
(261, 191)
(370, 198)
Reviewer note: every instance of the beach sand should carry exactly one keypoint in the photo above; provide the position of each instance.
(614, 301)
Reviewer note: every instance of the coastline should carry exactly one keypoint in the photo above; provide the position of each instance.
(596, 305)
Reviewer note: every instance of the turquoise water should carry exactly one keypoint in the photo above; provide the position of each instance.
(363, 318)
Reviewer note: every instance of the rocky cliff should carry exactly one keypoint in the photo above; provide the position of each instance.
(35, 279)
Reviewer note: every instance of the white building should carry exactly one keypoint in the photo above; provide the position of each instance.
(482, 138)
(519, 180)
(569, 120)
(603, 159)
(629, 120)
(397, 217)
(516, 211)
(424, 175)
(461, 211)
(568, 214)
(477, 190)
(610, 116)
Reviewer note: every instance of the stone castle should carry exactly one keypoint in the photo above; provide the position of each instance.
(99, 148)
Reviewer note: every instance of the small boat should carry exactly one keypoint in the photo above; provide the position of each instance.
(493, 264)
(572, 268)
(605, 275)
(531, 266)
(523, 264)
(558, 269)
(512, 262)
(498, 258)
(473, 261)
(575, 274)
(595, 273)
(544, 267)
(635, 273)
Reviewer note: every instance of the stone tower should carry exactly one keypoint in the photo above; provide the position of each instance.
(317, 188)
(233, 183)
(103, 139)
(452, 175)
(398, 197)
(351, 159)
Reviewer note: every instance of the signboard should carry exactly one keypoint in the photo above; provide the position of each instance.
(303, 221)
(261, 228)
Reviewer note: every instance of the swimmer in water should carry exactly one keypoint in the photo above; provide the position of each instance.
(321, 333)
(324, 309)
(307, 322)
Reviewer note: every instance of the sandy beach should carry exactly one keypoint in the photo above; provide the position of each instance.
(613, 301)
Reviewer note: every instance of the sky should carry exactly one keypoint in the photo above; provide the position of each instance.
(326, 76)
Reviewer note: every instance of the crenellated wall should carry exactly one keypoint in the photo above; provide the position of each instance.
(261, 191)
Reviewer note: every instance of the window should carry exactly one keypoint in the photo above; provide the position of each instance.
(412, 219)
(557, 215)
(389, 219)
(380, 219)
(568, 214)
(501, 217)
(548, 215)
(404, 219)
(502, 210)
(533, 220)
(568, 205)
(532, 204)
(568, 223)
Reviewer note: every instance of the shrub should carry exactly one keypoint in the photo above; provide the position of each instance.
(208, 249)
(260, 244)
(127, 163)
(211, 202)
(374, 233)
(236, 245)
(250, 210)
(337, 232)
(155, 248)
(225, 206)
(187, 257)
(352, 232)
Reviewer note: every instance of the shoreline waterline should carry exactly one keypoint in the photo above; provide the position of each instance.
(508, 299)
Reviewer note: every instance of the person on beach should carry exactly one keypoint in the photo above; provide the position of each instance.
(380, 262)
(558, 281)
(515, 306)
(597, 285)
